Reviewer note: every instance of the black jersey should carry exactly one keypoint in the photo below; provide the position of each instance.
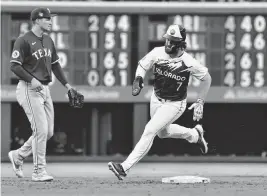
(36, 55)
(172, 74)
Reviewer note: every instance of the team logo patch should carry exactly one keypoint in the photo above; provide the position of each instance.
(172, 31)
(41, 14)
(15, 54)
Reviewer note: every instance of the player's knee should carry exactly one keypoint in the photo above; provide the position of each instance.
(149, 130)
(162, 134)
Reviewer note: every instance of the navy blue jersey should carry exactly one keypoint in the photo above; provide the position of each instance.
(172, 74)
(36, 55)
(171, 82)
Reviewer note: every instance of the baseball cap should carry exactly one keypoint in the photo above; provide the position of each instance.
(41, 13)
(175, 32)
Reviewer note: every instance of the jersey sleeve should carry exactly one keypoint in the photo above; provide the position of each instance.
(196, 68)
(147, 61)
(19, 51)
(55, 57)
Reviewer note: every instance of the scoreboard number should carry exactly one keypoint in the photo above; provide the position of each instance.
(246, 41)
(259, 24)
(93, 78)
(230, 23)
(259, 42)
(124, 40)
(123, 23)
(246, 24)
(93, 37)
(245, 61)
(109, 61)
(123, 60)
(93, 57)
(229, 79)
(230, 61)
(123, 77)
(110, 23)
(109, 41)
(230, 41)
(260, 60)
(109, 78)
(93, 21)
(259, 79)
(245, 79)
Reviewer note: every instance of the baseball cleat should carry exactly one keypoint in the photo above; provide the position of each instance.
(16, 163)
(201, 141)
(117, 169)
(41, 177)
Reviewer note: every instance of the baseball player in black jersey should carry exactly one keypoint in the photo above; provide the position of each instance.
(33, 59)
(172, 67)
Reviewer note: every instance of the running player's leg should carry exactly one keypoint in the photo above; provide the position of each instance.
(181, 132)
(163, 117)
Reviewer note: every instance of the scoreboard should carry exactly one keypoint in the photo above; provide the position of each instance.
(100, 44)
(232, 47)
(94, 50)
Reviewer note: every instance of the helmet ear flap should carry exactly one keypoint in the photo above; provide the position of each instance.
(183, 32)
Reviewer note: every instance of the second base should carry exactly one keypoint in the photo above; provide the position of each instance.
(185, 180)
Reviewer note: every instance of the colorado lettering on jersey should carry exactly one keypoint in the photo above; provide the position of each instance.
(170, 75)
(41, 53)
(171, 79)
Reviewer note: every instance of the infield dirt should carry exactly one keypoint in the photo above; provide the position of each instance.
(71, 179)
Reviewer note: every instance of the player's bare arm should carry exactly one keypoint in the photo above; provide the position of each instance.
(201, 73)
(204, 86)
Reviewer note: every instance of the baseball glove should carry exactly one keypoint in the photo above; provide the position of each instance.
(76, 99)
(198, 109)
(138, 84)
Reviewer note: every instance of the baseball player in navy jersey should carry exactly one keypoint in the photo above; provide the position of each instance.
(33, 59)
(172, 67)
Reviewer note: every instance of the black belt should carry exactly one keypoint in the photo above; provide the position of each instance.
(165, 100)
(42, 82)
(45, 82)
(161, 100)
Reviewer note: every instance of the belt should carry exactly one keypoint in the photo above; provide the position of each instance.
(162, 100)
(45, 82)
(166, 100)
(42, 82)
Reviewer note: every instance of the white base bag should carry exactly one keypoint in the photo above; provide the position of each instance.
(185, 180)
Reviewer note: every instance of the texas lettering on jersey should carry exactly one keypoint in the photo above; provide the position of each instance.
(172, 74)
(42, 53)
(36, 55)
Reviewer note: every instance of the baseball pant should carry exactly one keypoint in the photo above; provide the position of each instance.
(39, 109)
(163, 114)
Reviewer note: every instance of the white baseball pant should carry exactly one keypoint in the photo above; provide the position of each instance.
(163, 114)
(39, 109)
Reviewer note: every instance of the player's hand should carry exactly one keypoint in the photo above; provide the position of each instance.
(138, 84)
(198, 109)
(36, 85)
